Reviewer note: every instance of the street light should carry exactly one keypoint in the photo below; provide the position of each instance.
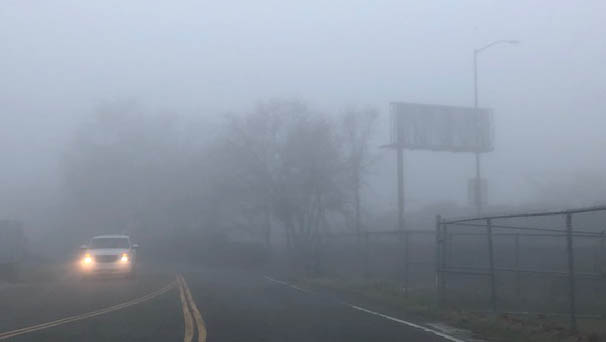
(476, 52)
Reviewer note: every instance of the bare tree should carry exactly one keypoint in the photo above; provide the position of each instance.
(309, 185)
(357, 130)
(280, 165)
(292, 169)
(253, 143)
(129, 169)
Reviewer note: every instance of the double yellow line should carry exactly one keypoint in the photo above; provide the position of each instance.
(190, 309)
(190, 313)
(13, 333)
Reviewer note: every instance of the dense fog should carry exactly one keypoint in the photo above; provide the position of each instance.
(265, 119)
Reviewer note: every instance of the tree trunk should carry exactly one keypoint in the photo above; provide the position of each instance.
(358, 224)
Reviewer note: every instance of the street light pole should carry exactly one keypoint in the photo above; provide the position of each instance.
(478, 186)
(476, 52)
(475, 78)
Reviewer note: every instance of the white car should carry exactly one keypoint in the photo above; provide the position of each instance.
(108, 254)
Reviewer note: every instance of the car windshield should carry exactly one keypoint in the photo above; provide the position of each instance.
(98, 243)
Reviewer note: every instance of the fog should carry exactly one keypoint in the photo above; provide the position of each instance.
(190, 70)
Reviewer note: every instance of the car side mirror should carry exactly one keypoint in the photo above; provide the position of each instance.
(135, 246)
(83, 246)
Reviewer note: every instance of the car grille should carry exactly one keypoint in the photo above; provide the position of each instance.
(106, 258)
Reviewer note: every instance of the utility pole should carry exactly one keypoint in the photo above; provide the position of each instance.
(478, 185)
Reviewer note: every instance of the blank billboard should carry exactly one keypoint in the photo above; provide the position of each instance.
(441, 128)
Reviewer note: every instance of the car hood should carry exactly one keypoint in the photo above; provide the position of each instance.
(108, 251)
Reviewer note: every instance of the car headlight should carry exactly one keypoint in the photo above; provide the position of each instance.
(87, 260)
(124, 258)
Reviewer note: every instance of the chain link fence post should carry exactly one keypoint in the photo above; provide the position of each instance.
(406, 263)
(366, 256)
(493, 289)
(437, 262)
(571, 280)
(518, 289)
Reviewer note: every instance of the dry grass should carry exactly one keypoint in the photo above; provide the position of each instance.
(492, 327)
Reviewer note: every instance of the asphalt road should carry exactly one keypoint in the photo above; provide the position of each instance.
(233, 305)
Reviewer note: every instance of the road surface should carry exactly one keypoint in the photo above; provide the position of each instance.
(191, 304)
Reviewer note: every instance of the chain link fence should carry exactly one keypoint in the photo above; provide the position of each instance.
(549, 262)
(543, 262)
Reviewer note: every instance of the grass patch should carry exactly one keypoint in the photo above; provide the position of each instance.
(39, 272)
(421, 304)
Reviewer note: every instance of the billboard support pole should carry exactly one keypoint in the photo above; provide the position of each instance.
(438, 257)
(400, 152)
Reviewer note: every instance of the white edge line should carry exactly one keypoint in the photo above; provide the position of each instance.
(287, 284)
(276, 281)
(359, 308)
(410, 324)
(299, 289)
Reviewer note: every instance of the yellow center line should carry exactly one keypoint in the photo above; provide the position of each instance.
(12, 333)
(189, 326)
(200, 324)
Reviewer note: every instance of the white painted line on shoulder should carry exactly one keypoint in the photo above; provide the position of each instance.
(359, 308)
(410, 324)
(287, 284)
(277, 281)
(300, 289)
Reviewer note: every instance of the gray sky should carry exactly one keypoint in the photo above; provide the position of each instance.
(59, 58)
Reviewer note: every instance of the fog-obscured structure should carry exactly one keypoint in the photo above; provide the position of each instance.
(265, 119)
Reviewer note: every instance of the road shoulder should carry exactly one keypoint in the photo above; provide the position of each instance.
(419, 307)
